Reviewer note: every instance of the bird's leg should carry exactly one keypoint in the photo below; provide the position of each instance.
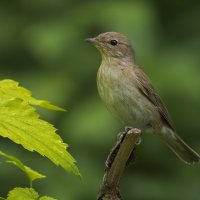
(115, 149)
(127, 128)
(132, 157)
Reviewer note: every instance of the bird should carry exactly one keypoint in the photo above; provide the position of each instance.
(130, 96)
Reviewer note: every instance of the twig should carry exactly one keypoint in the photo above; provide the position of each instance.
(116, 163)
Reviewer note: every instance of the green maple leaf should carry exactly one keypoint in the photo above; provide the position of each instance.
(22, 194)
(31, 174)
(26, 194)
(20, 123)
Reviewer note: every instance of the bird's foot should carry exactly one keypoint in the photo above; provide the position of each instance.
(115, 149)
(129, 128)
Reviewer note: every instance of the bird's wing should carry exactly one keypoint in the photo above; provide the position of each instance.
(146, 88)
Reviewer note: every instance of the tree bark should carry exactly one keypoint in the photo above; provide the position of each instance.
(116, 164)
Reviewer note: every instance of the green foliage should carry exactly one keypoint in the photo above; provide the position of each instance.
(42, 46)
(23, 193)
(46, 198)
(31, 174)
(10, 90)
(21, 124)
(26, 194)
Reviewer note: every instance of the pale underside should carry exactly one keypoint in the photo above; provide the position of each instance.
(123, 99)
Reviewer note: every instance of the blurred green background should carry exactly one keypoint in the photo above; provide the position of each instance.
(42, 47)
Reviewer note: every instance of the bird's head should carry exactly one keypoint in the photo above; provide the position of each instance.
(113, 44)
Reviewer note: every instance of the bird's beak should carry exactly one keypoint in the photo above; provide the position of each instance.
(92, 40)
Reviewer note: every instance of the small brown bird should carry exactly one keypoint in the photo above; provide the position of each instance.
(128, 94)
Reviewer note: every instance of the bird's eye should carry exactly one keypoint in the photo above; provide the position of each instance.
(113, 42)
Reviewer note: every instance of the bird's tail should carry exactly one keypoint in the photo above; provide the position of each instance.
(179, 147)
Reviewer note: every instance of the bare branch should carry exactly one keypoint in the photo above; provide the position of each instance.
(116, 163)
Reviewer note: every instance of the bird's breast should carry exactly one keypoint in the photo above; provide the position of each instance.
(117, 89)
